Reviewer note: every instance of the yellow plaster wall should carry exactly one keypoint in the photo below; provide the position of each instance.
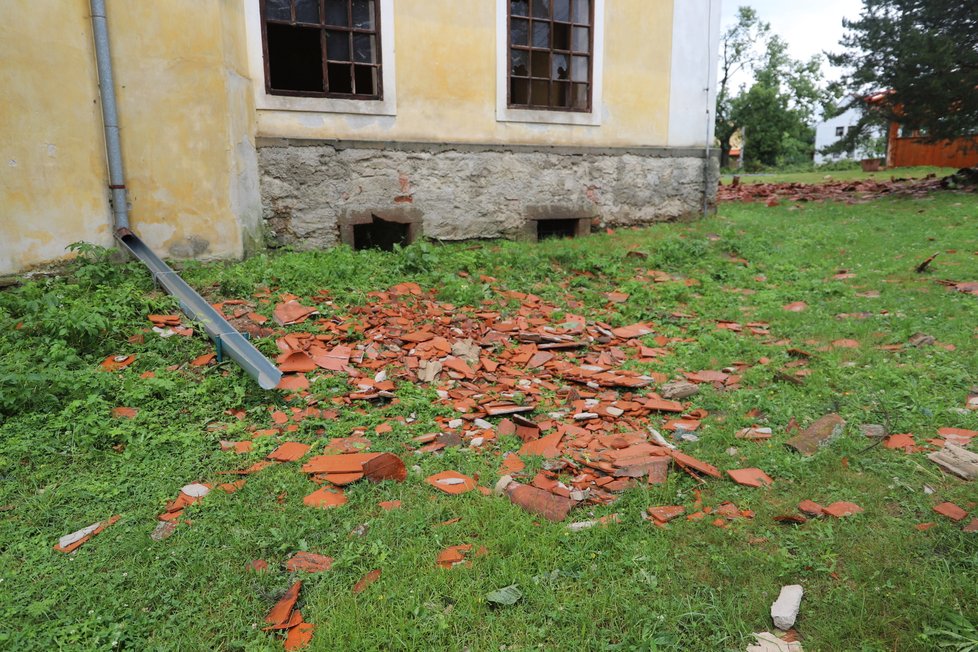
(446, 77)
(52, 168)
(178, 66)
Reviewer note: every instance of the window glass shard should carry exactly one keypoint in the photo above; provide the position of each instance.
(364, 48)
(541, 34)
(558, 67)
(336, 13)
(562, 10)
(363, 14)
(278, 10)
(519, 7)
(519, 32)
(307, 11)
(541, 8)
(338, 46)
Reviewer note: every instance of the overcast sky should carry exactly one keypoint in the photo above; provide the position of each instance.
(808, 27)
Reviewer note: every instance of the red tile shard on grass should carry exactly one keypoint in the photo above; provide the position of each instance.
(666, 513)
(811, 508)
(365, 581)
(290, 451)
(282, 610)
(75, 540)
(308, 562)
(841, 508)
(751, 477)
(951, 511)
(325, 498)
(451, 482)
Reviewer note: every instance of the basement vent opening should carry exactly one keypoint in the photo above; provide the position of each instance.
(381, 234)
(564, 228)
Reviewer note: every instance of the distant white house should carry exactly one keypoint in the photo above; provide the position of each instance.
(831, 131)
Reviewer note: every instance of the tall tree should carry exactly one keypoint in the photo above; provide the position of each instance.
(741, 49)
(920, 59)
(777, 110)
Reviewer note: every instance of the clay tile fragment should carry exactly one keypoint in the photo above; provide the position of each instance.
(292, 312)
(299, 636)
(124, 412)
(325, 498)
(688, 462)
(841, 508)
(537, 501)
(117, 362)
(951, 511)
(309, 562)
(293, 382)
(451, 482)
(296, 362)
(385, 466)
(73, 541)
(818, 434)
(666, 513)
(389, 505)
(547, 447)
(203, 360)
(365, 581)
(811, 508)
(282, 609)
(290, 451)
(751, 477)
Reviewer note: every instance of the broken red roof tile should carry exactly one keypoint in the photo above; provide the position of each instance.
(257, 566)
(971, 527)
(291, 312)
(71, 542)
(124, 412)
(295, 362)
(666, 513)
(923, 527)
(308, 562)
(282, 609)
(811, 508)
(633, 331)
(203, 360)
(453, 555)
(548, 447)
(904, 442)
(299, 636)
(385, 466)
(343, 463)
(366, 580)
(688, 462)
(117, 362)
(841, 508)
(293, 382)
(325, 498)
(290, 451)
(951, 511)
(389, 505)
(751, 477)
(451, 482)
(797, 306)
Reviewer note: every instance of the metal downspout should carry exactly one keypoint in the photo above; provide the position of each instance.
(228, 340)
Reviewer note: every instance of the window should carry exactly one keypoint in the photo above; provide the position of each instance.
(839, 132)
(322, 48)
(551, 46)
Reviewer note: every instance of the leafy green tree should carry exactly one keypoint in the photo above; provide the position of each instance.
(741, 49)
(919, 58)
(777, 111)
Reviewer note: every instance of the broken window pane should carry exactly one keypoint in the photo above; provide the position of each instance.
(519, 62)
(541, 35)
(519, 91)
(580, 97)
(278, 10)
(582, 41)
(364, 48)
(295, 55)
(365, 79)
(582, 12)
(363, 14)
(338, 46)
(562, 10)
(540, 64)
(295, 58)
(520, 32)
(561, 95)
(340, 77)
(540, 92)
(307, 11)
(541, 8)
(579, 69)
(562, 36)
(519, 7)
(336, 13)
(558, 67)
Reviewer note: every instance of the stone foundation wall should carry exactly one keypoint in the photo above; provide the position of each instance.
(312, 191)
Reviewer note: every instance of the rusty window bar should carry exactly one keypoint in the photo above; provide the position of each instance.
(348, 28)
(539, 48)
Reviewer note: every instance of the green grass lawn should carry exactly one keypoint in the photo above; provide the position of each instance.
(839, 175)
(872, 581)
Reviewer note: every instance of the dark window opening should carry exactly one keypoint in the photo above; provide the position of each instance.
(322, 48)
(566, 228)
(551, 45)
(381, 234)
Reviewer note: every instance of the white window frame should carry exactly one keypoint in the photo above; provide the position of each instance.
(267, 101)
(548, 116)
